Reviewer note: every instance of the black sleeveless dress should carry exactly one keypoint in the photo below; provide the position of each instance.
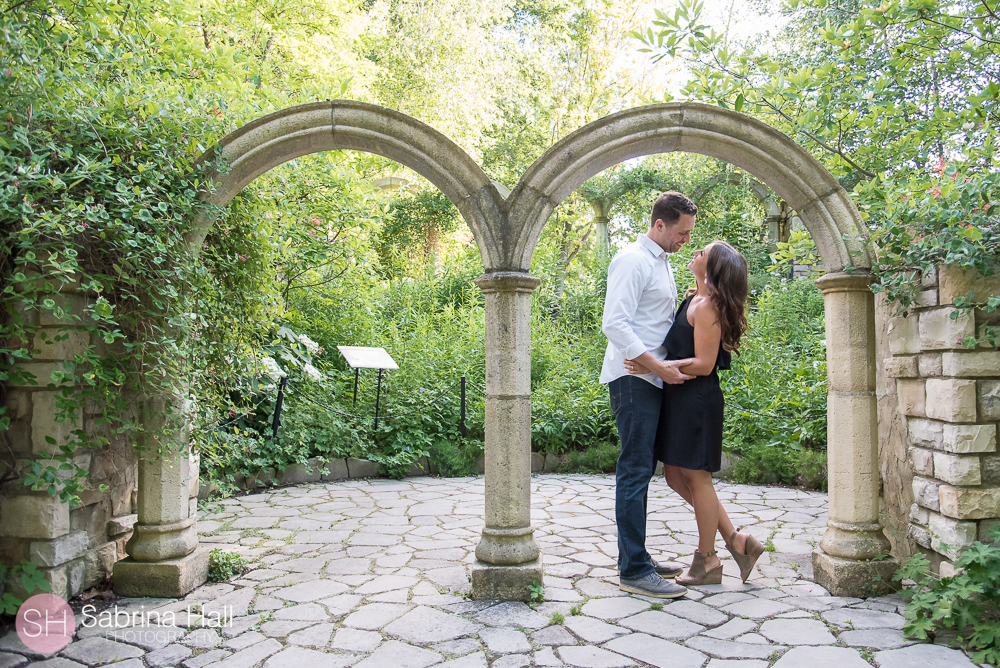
(690, 431)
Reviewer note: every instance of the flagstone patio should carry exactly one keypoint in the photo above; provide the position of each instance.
(372, 574)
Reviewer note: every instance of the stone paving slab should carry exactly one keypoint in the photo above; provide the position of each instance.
(373, 573)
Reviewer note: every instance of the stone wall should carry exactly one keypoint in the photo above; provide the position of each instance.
(76, 547)
(948, 398)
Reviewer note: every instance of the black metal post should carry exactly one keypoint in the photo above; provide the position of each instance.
(277, 407)
(357, 373)
(462, 413)
(378, 392)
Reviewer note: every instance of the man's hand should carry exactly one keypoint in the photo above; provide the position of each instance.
(668, 371)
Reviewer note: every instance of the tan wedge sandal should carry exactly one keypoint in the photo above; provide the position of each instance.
(697, 575)
(746, 562)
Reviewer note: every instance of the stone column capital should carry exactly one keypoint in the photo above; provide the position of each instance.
(508, 281)
(843, 282)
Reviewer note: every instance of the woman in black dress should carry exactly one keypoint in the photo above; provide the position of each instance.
(707, 328)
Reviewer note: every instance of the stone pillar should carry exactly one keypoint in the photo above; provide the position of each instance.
(601, 209)
(507, 554)
(853, 558)
(164, 558)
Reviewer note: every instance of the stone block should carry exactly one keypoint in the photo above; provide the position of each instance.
(951, 400)
(919, 535)
(71, 302)
(118, 526)
(971, 363)
(847, 577)
(66, 579)
(925, 493)
(904, 335)
(987, 528)
(946, 569)
(51, 553)
(929, 364)
(295, 474)
(72, 343)
(969, 503)
(918, 515)
(505, 583)
(926, 298)
(957, 469)
(989, 399)
(990, 469)
(910, 395)
(361, 468)
(929, 278)
(44, 424)
(900, 367)
(33, 516)
(949, 536)
(938, 331)
(537, 462)
(957, 282)
(163, 579)
(420, 467)
(336, 469)
(925, 433)
(99, 563)
(552, 462)
(922, 461)
(969, 438)
(42, 373)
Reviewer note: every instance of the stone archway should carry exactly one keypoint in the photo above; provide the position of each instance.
(506, 229)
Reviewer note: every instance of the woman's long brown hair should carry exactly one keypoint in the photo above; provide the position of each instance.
(726, 277)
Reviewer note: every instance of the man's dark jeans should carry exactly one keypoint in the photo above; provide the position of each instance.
(636, 405)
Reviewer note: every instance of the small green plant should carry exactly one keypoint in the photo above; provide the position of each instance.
(967, 603)
(574, 611)
(656, 606)
(867, 655)
(30, 578)
(223, 565)
(769, 546)
(536, 592)
(557, 618)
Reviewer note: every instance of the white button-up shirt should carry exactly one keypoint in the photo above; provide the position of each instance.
(638, 308)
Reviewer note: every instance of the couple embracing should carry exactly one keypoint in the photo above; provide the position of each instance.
(660, 367)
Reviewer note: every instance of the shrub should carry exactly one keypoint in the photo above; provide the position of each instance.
(968, 602)
(223, 565)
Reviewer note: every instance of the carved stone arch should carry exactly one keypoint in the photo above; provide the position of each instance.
(784, 166)
(340, 125)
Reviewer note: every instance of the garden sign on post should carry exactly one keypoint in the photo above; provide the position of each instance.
(360, 357)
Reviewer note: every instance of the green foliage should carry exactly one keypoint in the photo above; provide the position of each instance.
(557, 618)
(536, 592)
(885, 94)
(967, 603)
(224, 565)
(25, 574)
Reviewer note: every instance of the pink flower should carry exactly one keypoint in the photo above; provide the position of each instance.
(934, 191)
(243, 258)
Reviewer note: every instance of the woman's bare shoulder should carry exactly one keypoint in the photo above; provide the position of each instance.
(705, 312)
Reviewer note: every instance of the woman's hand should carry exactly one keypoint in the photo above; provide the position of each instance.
(635, 367)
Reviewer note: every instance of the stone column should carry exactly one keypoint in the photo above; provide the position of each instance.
(507, 554)
(602, 208)
(853, 558)
(164, 558)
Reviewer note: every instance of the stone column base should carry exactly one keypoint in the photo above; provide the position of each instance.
(848, 577)
(161, 579)
(504, 583)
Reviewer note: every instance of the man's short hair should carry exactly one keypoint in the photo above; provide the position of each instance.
(670, 206)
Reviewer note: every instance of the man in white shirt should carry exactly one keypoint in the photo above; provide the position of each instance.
(638, 312)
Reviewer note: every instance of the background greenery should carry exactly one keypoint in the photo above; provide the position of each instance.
(107, 105)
